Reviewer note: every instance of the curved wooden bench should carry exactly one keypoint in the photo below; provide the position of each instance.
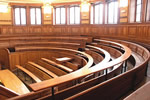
(97, 57)
(52, 68)
(137, 51)
(40, 74)
(113, 52)
(71, 65)
(68, 62)
(95, 68)
(86, 70)
(10, 41)
(127, 80)
(24, 46)
(106, 54)
(43, 69)
(57, 65)
(35, 78)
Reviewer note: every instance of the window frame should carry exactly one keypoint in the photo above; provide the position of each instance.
(35, 15)
(148, 11)
(136, 11)
(14, 21)
(74, 15)
(107, 17)
(133, 12)
(54, 15)
(93, 16)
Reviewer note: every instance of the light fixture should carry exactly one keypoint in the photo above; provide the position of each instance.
(3, 7)
(85, 5)
(123, 3)
(47, 6)
(48, 9)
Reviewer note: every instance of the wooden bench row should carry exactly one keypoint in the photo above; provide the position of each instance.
(125, 82)
(42, 68)
(39, 40)
(87, 90)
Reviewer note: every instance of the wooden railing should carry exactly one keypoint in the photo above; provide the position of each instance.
(87, 70)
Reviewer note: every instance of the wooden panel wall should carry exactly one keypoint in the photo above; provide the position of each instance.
(5, 18)
(133, 32)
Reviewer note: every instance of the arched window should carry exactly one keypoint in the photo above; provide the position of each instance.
(97, 13)
(112, 12)
(74, 15)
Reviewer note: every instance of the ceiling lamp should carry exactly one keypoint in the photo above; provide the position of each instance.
(3, 7)
(85, 5)
(47, 6)
(123, 3)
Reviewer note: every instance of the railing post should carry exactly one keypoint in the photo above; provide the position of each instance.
(53, 95)
(125, 66)
(106, 71)
(0, 66)
(146, 68)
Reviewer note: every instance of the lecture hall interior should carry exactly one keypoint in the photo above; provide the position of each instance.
(74, 49)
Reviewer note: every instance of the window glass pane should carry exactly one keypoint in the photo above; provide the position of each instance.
(138, 17)
(110, 12)
(23, 16)
(138, 10)
(72, 15)
(106, 14)
(17, 16)
(38, 16)
(63, 16)
(57, 15)
(116, 13)
(32, 15)
(54, 17)
(77, 15)
(96, 14)
(91, 15)
(148, 11)
(139, 1)
(101, 14)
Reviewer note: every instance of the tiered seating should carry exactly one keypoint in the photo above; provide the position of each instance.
(12, 41)
(95, 71)
(127, 81)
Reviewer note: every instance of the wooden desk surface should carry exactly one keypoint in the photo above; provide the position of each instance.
(64, 59)
(12, 82)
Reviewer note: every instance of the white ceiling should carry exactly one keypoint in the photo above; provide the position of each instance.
(37, 1)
